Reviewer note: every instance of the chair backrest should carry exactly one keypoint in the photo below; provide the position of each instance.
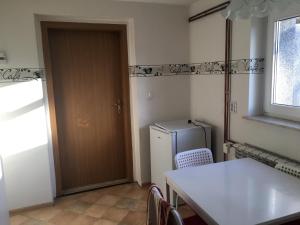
(174, 218)
(192, 158)
(160, 212)
(154, 198)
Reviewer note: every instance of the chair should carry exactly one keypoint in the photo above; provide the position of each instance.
(160, 212)
(194, 220)
(155, 205)
(175, 219)
(197, 157)
(191, 158)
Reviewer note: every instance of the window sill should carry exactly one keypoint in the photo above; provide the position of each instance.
(275, 121)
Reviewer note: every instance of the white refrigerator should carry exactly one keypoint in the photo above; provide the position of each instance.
(4, 219)
(171, 137)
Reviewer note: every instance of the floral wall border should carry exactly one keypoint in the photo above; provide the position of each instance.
(20, 74)
(241, 66)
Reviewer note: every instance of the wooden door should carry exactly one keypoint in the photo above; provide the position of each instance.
(89, 87)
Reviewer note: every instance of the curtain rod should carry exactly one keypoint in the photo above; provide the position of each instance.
(209, 11)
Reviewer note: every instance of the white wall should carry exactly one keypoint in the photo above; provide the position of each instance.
(3, 200)
(207, 43)
(159, 36)
(170, 101)
(24, 143)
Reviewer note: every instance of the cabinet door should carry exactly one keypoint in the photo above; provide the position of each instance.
(161, 157)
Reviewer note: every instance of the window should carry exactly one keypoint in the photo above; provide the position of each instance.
(286, 63)
(282, 96)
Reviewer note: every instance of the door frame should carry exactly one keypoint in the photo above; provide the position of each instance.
(122, 29)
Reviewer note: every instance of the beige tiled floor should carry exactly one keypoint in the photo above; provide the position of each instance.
(118, 205)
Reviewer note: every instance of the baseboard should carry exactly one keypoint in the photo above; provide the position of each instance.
(21, 210)
(95, 186)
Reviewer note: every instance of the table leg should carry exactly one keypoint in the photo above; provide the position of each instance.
(168, 192)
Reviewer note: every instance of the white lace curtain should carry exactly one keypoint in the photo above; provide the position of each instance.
(244, 9)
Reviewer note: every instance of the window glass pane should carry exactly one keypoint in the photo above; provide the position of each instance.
(286, 77)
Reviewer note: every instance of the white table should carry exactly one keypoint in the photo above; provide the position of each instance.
(238, 192)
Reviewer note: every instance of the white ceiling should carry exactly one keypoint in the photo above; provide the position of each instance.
(173, 2)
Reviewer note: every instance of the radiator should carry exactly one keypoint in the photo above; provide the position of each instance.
(274, 160)
(289, 168)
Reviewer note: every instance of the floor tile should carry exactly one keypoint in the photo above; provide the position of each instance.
(84, 220)
(115, 214)
(65, 202)
(34, 222)
(79, 206)
(108, 200)
(44, 214)
(96, 211)
(117, 205)
(105, 222)
(138, 195)
(134, 218)
(126, 203)
(91, 197)
(64, 218)
(18, 219)
(140, 206)
(120, 191)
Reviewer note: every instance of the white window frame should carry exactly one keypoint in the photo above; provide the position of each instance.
(276, 110)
